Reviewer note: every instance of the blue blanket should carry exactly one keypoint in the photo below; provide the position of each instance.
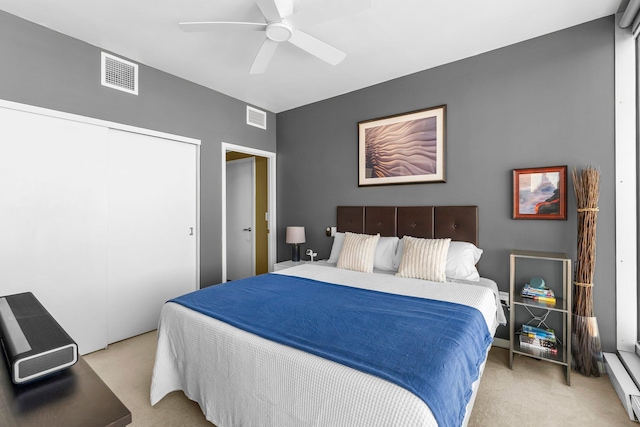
(432, 348)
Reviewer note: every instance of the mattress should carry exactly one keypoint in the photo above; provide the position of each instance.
(241, 379)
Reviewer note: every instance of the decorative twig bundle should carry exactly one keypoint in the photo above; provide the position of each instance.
(586, 342)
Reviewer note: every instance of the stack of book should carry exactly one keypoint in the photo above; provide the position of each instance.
(538, 294)
(542, 341)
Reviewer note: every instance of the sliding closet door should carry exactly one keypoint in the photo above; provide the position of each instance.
(53, 219)
(152, 229)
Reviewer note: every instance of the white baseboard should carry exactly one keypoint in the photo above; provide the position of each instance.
(622, 384)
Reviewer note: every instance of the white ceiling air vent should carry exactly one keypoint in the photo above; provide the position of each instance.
(119, 74)
(256, 118)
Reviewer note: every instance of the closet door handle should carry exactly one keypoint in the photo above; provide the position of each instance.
(246, 229)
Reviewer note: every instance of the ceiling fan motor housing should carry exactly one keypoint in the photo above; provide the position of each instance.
(279, 31)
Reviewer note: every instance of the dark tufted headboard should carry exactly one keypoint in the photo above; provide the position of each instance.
(431, 222)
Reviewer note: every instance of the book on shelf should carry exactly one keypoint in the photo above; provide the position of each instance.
(537, 294)
(539, 351)
(539, 332)
(546, 300)
(537, 342)
(529, 290)
(532, 339)
(538, 339)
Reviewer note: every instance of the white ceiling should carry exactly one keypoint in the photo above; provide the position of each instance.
(391, 39)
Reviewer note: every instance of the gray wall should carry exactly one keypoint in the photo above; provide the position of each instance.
(47, 69)
(544, 102)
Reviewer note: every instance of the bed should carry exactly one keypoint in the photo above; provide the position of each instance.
(367, 362)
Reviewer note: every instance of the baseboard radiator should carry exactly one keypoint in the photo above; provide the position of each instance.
(623, 369)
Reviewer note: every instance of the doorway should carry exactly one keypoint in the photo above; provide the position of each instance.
(263, 212)
(242, 210)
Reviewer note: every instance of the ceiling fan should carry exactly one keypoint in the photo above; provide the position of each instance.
(283, 25)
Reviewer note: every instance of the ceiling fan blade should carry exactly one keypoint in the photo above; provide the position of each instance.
(317, 48)
(264, 56)
(327, 11)
(285, 7)
(275, 10)
(221, 26)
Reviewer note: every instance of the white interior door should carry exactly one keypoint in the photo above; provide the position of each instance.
(53, 219)
(240, 218)
(152, 229)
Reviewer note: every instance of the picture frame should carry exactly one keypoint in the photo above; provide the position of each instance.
(540, 193)
(406, 148)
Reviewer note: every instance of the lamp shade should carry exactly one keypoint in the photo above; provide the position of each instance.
(295, 235)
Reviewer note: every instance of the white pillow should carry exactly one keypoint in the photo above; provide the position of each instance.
(338, 241)
(398, 257)
(462, 258)
(358, 252)
(385, 253)
(461, 261)
(424, 259)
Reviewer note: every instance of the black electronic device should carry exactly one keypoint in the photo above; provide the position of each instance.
(34, 344)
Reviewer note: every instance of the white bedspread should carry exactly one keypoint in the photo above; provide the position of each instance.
(240, 379)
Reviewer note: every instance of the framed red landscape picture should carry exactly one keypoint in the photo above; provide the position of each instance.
(540, 193)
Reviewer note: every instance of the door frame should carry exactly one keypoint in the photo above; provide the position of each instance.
(271, 185)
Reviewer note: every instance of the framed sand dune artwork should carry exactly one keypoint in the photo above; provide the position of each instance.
(540, 193)
(402, 149)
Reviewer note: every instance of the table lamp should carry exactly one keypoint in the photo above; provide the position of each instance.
(295, 236)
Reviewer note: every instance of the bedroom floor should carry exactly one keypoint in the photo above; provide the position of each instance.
(533, 393)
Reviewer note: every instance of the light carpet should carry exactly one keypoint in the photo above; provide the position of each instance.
(534, 393)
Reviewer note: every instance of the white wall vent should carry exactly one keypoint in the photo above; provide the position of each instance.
(256, 118)
(119, 74)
